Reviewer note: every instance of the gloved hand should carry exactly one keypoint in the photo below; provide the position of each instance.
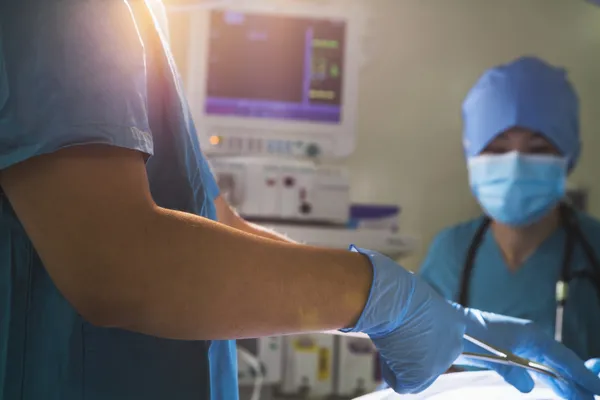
(417, 333)
(593, 364)
(524, 339)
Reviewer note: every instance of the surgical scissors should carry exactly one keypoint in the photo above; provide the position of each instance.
(500, 356)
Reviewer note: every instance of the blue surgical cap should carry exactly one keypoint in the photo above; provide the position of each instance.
(527, 93)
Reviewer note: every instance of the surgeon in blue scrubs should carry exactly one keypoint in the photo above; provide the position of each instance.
(521, 140)
(115, 281)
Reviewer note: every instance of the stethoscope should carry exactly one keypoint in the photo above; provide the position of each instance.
(573, 233)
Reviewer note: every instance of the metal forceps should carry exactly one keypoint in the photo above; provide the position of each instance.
(500, 356)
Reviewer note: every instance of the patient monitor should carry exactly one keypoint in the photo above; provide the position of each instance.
(267, 82)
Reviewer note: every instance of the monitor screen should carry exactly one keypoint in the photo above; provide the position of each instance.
(277, 67)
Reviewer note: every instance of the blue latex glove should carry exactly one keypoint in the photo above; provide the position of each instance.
(417, 333)
(593, 364)
(524, 339)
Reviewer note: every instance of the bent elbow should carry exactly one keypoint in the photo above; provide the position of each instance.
(104, 293)
(96, 299)
(101, 316)
(113, 306)
(100, 312)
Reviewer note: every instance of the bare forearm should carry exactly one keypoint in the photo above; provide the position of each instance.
(197, 279)
(122, 261)
(261, 231)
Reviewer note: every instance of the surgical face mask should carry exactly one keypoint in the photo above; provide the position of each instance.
(517, 189)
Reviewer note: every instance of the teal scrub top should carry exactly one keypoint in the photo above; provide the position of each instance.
(527, 293)
(73, 73)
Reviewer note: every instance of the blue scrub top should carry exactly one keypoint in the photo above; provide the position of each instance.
(95, 72)
(526, 293)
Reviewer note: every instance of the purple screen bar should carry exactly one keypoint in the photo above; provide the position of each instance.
(308, 43)
(273, 109)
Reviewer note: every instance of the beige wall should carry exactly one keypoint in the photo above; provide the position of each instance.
(423, 57)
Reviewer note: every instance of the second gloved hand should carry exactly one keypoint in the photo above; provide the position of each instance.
(593, 364)
(417, 332)
(524, 339)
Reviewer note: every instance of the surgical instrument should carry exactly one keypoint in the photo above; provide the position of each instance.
(500, 356)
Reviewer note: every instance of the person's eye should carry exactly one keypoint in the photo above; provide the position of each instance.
(495, 150)
(542, 149)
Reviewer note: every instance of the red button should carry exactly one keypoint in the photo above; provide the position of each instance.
(289, 181)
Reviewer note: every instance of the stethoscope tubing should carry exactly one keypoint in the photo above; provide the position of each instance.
(573, 232)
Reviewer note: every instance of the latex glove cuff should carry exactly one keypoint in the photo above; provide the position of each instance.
(381, 316)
